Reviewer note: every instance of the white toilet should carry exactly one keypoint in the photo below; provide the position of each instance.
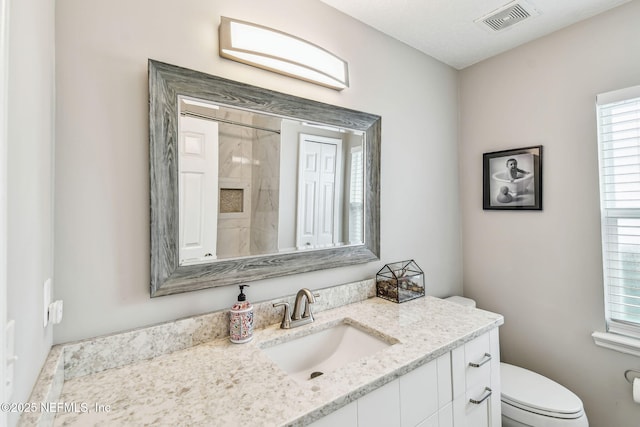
(532, 400)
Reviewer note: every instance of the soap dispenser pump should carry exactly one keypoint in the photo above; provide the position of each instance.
(241, 319)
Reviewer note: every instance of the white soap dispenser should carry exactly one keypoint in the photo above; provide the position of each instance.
(241, 319)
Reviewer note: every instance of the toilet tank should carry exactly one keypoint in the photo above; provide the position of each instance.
(467, 302)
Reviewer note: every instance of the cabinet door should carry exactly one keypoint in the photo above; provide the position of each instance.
(381, 407)
(442, 418)
(419, 395)
(444, 380)
(347, 416)
(432, 421)
(445, 416)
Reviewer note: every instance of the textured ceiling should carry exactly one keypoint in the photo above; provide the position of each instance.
(445, 29)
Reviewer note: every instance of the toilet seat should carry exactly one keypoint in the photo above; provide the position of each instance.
(535, 393)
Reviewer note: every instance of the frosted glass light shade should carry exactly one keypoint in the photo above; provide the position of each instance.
(282, 53)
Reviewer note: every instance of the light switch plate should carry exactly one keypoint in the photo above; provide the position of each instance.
(55, 312)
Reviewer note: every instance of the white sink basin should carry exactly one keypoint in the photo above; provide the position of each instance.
(326, 350)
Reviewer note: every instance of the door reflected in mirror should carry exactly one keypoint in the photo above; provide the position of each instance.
(258, 184)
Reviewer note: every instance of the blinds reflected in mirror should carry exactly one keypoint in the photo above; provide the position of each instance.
(356, 197)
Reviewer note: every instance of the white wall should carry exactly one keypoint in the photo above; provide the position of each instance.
(29, 179)
(4, 107)
(542, 270)
(102, 184)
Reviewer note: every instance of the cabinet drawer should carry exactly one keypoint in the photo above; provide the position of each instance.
(472, 365)
(477, 361)
(474, 409)
(474, 374)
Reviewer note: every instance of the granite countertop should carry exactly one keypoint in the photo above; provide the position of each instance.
(218, 383)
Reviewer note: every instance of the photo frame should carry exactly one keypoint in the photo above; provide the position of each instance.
(512, 179)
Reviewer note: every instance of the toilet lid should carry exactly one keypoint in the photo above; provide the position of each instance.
(536, 393)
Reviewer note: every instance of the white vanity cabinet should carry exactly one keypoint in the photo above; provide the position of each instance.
(421, 398)
(475, 369)
(459, 389)
(421, 380)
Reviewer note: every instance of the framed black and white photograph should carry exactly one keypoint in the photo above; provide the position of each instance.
(512, 179)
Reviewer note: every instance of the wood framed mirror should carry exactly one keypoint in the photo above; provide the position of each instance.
(175, 93)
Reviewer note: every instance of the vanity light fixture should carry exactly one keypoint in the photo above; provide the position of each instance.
(282, 53)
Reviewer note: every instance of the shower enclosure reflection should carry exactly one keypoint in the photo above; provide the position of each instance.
(253, 184)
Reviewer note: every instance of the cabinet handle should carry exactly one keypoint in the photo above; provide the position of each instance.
(486, 358)
(487, 392)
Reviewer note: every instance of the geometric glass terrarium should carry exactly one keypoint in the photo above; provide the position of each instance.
(400, 281)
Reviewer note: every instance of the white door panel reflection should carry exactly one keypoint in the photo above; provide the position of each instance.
(319, 206)
(198, 182)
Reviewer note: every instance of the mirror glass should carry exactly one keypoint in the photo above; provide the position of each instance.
(248, 183)
(257, 184)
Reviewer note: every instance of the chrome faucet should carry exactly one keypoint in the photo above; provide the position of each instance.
(296, 319)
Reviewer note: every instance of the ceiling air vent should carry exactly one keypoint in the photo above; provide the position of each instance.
(507, 15)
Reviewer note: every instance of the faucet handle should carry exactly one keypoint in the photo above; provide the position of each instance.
(286, 318)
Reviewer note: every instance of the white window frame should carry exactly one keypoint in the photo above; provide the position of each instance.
(620, 335)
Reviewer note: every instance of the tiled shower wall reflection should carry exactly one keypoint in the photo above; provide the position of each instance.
(249, 160)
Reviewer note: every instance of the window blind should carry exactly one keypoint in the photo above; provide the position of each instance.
(619, 155)
(356, 197)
